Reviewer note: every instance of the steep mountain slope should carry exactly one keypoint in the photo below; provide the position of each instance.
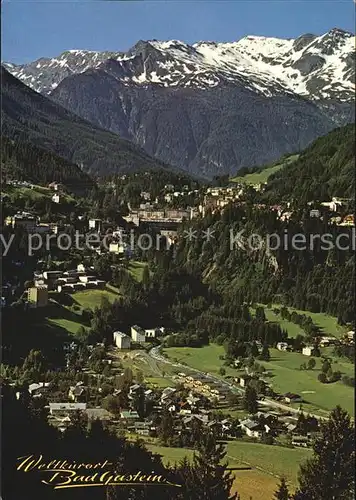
(30, 117)
(25, 161)
(210, 108)
(325, 169)
(206, 131)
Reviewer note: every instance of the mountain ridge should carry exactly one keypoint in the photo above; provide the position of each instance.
(319, 67)
(209, 108)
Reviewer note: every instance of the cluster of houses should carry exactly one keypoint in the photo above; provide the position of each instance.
(321, 341)
(31, 223)
(61, 281)
(204, 385)
(187, 410)
(138, 335)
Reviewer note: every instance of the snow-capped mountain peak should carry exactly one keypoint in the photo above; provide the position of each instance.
(317, 67)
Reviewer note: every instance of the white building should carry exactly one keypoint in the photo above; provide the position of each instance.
(332, 205)
(154, 332)
(252, 429)
(282, 346)
(308, 350)
(138, 334)
(145, 195)
(151, 333)
(116, 248)
(95, 224)
(121, 340)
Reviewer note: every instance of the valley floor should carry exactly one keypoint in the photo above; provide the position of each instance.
(286, 375)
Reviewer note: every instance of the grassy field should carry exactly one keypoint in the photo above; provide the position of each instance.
(287, 377)
(69, 319)
(63, 317)
(262, 177)
(92, 298)
(160, 382)
(292, 329)
(204, 358)
(266, 462)
(327, 324)
(274, 460)
(71, 326)
(136, 269)
(34, 194)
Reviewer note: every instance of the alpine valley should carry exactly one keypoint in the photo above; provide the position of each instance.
(208, 108)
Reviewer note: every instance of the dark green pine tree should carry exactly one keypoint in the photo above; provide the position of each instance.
(330, 473)
(145, 278)
(265, 355)
(250, 400)
(166, 428)
(282, 493)
(207, 478)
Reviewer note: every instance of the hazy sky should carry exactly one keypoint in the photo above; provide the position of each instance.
(33, 29)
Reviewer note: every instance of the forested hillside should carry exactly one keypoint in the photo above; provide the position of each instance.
(325, 169)
(25, 161)
(249, 269)
(29, 117)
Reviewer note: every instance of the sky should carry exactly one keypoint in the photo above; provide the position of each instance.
(45, 28)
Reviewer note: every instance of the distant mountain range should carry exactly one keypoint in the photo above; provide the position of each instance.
(30, 118)
(209, 108)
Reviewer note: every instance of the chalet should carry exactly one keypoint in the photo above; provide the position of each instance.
(350, 336)
(244, 380)
(252, 428)
(291, 427)
(95, 224)
(68, 288)
(334, 205)
(78, 393)
(289, 397)
(167, 393)
(134, 388)
(36, 390)
(308, 350)
(282, 346)
(193, 401)
(214, 426)
(314, 213)
(154, 332)
(55, 186)
(300, 441)
(56, 198)
(226, 425)
(52, 275)
(142, 428)
(327, 341)
(116, 248)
